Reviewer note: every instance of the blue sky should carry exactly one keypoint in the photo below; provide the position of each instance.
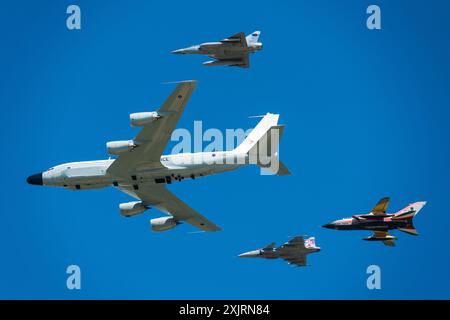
(366, 116)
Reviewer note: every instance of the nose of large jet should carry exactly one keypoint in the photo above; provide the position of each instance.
(35, 179)
(329, 226)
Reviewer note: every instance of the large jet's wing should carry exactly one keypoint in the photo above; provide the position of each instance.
(159, 197)
(381, 207)
(237, 40)
(153, 137)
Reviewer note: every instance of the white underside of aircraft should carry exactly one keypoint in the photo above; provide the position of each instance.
(141, 171)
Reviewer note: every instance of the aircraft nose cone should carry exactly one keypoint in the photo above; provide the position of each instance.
(178, 51)
(35, 179)
(328, 226)
(250, 254)
(243, 255)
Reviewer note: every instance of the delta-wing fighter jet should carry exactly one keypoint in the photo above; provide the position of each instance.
(381, 222)
(141, 171)
(232, 51)
(294, 251)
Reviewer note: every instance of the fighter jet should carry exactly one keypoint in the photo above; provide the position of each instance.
(381, 222)
(141, 171)
(294, 251)
(232, 51)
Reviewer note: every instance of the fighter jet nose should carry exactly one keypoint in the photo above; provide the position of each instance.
(328, 226)
(35, 179)
(178, 51)
(250, 254)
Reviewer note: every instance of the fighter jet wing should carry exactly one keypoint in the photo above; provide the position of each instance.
(384, 234)
(290, 247)
(152, 139)
(381, 207)
(293, 251)
(238, 40)
(297, 259)
(270, 246)
(295, 241)
(245, 61)
(389, 243)
(242, 62)
(159, 197)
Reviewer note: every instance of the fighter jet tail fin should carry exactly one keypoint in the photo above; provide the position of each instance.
(407, 214)
(253, 37)
(262, 145)
(310, 243)
(409, 211)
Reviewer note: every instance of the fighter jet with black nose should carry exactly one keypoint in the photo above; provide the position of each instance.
(294, 251)
(232, 51)
(381, 222)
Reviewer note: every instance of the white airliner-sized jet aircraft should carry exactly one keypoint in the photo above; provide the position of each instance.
(141, 171)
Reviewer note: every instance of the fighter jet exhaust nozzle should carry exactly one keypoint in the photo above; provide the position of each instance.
(258, 45)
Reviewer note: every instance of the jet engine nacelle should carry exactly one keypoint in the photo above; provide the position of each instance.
(119, 147)
(132, 208)
(163, 223)
(142, 118)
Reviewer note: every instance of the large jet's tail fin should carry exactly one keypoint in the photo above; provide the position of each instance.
(267, 121)
(408, 213)
(262, 145)
(252, 37)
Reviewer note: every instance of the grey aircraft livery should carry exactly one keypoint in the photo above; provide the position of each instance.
(232, 51)
(294, 251)
(141, 171)
(381, 222)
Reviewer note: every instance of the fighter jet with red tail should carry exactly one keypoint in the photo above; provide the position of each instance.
(381, 222)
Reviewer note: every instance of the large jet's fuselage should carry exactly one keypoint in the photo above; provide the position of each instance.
(94, 174)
